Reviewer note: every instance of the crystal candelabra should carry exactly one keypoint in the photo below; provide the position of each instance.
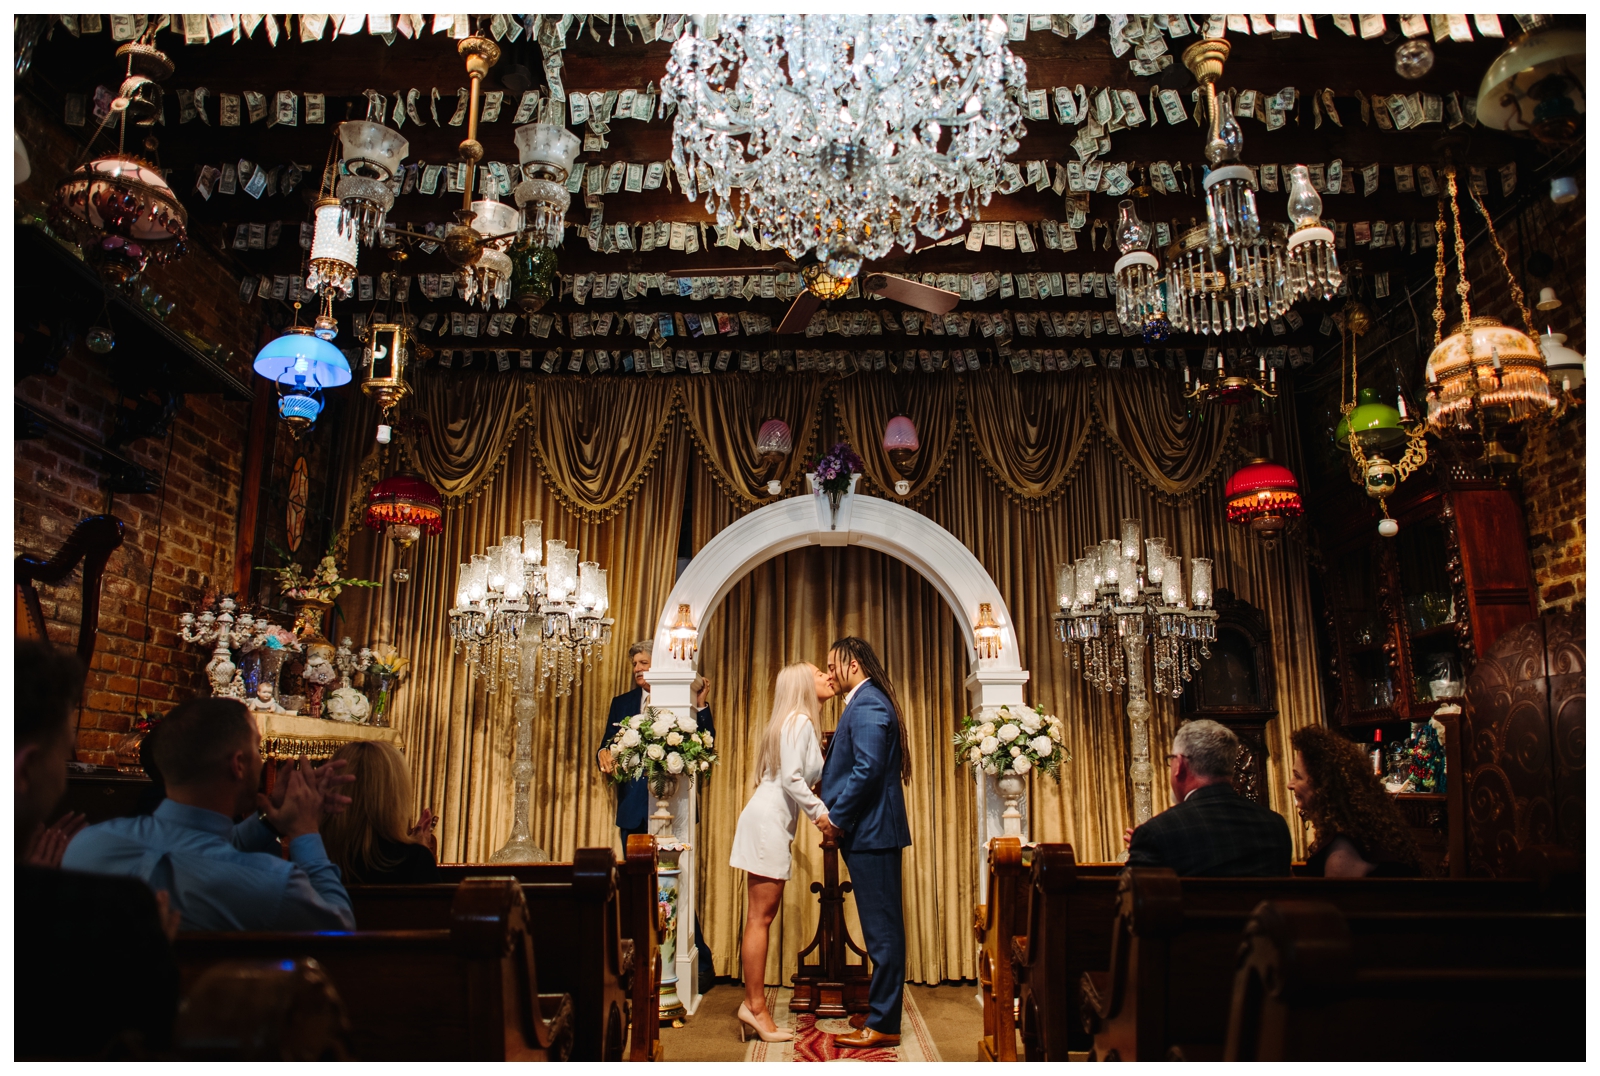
(852, 133)
(510, 592)
(222, 631)
(1111, 610)
(531, 622)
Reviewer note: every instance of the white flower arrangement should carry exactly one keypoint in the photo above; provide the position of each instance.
(657, 746)
(1013, 743)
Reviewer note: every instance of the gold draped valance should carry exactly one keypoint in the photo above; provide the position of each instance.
(596, 440)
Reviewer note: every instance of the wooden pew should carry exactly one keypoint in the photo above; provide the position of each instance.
(467, 992)
(1064, 929)
(587, 917)
(1174, 943)
(995, 923)
(262, 1010)
(1316, 985)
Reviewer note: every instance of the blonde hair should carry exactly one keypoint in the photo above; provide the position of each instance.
(379, 811)
(796, 693)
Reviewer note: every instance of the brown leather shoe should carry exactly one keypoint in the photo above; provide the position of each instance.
(858, 1020)
(865, 1039)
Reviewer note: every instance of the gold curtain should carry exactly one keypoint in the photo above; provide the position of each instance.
(863, 406)
(1030, 485)
(470, 421)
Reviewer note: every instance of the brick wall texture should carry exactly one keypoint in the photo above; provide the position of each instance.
(180, 540)
(1553, 465)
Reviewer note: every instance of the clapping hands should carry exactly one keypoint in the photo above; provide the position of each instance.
(301, 796)
(423, 831)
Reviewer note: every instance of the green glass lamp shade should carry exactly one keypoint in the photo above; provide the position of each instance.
(1377, 425)
(533, 275)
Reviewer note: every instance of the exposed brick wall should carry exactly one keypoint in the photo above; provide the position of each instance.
(1553, 467)
(180, 540)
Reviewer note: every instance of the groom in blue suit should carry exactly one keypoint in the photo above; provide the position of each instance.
(866, 764)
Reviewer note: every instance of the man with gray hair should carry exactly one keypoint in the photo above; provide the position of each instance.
(1210, 829)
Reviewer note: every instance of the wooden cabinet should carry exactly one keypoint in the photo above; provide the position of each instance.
(1235, 686)
(1407, 616)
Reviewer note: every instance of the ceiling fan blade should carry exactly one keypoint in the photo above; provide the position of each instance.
(736, 270)
(799, 316)
(911, 292)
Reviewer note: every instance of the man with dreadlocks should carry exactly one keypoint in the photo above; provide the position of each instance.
(866, 764)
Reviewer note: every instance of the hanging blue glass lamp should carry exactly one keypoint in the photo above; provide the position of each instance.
(301, 363)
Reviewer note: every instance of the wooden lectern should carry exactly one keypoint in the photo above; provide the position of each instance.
(832, 986)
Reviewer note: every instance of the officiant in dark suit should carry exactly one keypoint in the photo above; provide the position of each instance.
(633, 799)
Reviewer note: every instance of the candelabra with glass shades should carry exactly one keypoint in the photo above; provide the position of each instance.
(530, 612)
(1112, 611)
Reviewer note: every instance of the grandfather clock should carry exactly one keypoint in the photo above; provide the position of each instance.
(1235, 687)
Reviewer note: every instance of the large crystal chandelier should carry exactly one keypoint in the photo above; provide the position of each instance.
(508, 602)
(1110, 610)
(851, 133)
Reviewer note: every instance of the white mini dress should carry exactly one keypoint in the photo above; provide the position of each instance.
(766, 826)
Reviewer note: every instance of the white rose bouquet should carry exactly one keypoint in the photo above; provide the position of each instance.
(656, 746)
(1013, 743)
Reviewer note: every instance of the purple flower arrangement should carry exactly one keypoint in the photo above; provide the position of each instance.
(834, 469)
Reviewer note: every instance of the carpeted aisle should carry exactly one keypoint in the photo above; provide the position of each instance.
(940, 1023)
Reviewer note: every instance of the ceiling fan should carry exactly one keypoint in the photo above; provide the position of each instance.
(822, 286)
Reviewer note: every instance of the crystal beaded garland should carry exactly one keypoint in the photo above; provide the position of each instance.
(853, 132)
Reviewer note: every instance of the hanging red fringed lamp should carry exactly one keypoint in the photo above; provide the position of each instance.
(1263, 496)
(404, 506)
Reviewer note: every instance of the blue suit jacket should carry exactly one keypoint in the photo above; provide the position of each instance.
(861, 777)
(633, 798)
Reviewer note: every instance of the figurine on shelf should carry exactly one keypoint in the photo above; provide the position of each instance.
(265, 700)
(236, 689)
(1425, 754)
(319, 672)
(350, 662)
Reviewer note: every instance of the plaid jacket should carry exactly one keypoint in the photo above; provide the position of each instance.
(1214, 832)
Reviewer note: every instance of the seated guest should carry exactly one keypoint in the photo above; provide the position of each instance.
(209, 752)
(1210, 829)
(1360, 833)
(93, 962)
(370, 841)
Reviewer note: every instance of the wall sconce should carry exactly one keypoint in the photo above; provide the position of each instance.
(682, 635)
(987, 632)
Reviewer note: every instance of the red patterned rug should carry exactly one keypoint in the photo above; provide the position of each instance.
(813, 1038)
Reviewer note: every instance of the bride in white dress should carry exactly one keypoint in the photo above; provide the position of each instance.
(791, 762)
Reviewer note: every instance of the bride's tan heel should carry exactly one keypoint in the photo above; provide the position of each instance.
(747, 1023)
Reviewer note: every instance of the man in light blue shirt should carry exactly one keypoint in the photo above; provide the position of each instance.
(221, 877)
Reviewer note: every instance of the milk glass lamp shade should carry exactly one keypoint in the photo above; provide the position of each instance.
(494, 220)
(371, 150)
(1485, 364)
(900, 441)
(1536, 86)
(1564, 365)
(298, 354)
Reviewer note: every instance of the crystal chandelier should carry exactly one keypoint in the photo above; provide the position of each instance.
(1141, 293)
(1110, 610)
(851, 133)
(507, 600)
(1110, 605)
(1313, 264)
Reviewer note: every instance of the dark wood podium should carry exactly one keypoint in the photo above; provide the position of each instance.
(832, 985)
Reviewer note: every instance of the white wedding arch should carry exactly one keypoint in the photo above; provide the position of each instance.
(794, 523)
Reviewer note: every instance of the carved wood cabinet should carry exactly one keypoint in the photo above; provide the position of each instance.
(1235, 686)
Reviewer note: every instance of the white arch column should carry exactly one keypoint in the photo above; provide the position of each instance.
(794, 523)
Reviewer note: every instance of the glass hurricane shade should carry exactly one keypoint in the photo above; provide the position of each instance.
(371, 150)
(1263, 496)
(404, 500)
(1536, 86)
(1200, 592)
(547, 149)
(1564, 365)
(1132, 233)
(1488, 365)
(335, 245)
(495, 219)
(299, 354)
(532, 541)
(1376, 424)
(900, 441)
(1313, 264)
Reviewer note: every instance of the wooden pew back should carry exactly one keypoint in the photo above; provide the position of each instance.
(1175, 941)
(1316, 984)
(995, 924)
(467, 992)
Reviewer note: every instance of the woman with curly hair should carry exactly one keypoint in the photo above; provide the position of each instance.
(1359, 831)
